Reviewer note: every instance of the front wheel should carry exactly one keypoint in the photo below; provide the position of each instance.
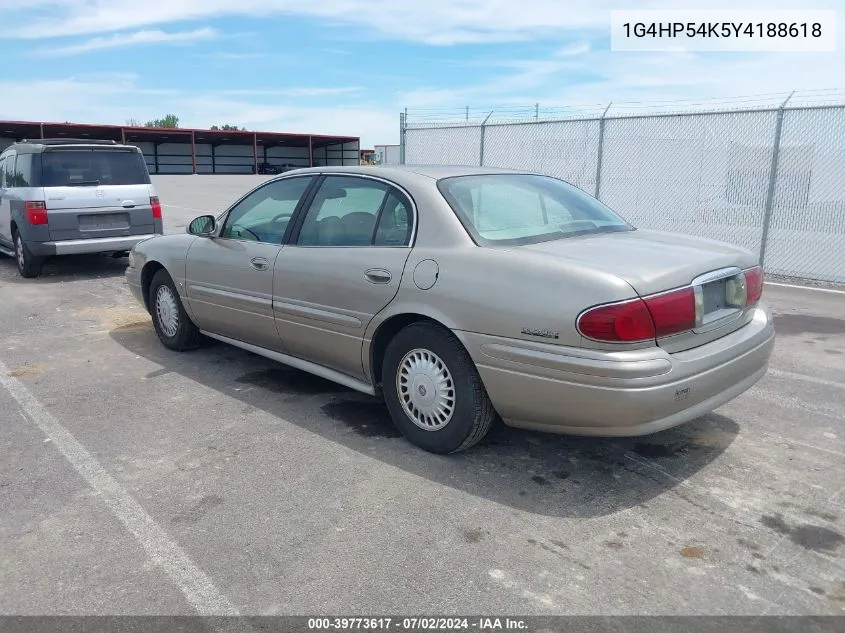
(29, 265)
(174, 327)
(433, 391)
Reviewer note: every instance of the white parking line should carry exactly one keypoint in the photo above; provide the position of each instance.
(790, 440)
(830, 290)
(176, 206)
(196, 586)
(796, 376)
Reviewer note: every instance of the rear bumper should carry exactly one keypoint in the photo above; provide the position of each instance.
(94, 245)
(574, 391)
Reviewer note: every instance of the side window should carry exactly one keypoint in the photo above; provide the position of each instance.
(344, 212)
(9, 170)
(263, 216)
(395, 223)
(21, 173)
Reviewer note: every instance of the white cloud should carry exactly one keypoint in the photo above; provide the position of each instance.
(232, 56)
(137, 38)
(580, 71)
(600, 76)
(578, 48)
(447, 22)
(292, 92)
(453, 21)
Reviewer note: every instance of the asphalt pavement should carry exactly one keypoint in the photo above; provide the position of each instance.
(135, 480)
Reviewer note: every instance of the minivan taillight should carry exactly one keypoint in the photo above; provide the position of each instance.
(640, 319)
(754, 285)
(36, 212)
(156, 206)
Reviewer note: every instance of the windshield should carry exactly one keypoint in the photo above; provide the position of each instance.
(512, 209)
(92, 167)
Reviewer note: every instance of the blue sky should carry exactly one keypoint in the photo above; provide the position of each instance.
(350, 66)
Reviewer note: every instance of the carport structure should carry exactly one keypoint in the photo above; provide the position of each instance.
(201, 151)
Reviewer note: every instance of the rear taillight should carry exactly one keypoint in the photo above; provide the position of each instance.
(641, 319)
(754, 285)
(36, 212)
(625, 322)
(673, 312)
(156, 206)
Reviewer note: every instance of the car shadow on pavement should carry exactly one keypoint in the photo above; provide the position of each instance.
(66, 268)
(544, 474)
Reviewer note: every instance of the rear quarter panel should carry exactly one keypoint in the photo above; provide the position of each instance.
(501, 293)
(28, 232)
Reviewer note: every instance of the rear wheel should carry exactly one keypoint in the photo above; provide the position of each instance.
(433, 391)
(174, 327)
(29, 265)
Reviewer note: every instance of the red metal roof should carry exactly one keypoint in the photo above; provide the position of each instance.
(115, 130)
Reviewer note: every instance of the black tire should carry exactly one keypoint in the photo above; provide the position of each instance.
(185, 335)
(472, 413)
(29, 266)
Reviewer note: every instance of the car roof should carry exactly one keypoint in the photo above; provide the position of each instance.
(37, 145)
(429, 171)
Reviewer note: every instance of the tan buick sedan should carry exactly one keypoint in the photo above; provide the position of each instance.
(458, 294)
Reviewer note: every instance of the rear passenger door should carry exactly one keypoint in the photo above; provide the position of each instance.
(343, 265)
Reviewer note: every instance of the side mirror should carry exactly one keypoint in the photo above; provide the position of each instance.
(203, 225)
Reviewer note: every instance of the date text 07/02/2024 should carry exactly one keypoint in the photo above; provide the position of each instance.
(417, 624)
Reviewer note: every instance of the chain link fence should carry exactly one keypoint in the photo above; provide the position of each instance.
(768, 176)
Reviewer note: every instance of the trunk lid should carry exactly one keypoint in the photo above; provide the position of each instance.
(653, 262)
(649, 261)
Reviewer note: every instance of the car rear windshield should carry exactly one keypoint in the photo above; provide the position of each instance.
(87, 167)
(513, 209)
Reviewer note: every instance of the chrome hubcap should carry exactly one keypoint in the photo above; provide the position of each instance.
(426, 389)
(20, 254)
(167, 311)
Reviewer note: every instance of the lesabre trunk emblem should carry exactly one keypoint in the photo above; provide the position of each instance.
(541, 333)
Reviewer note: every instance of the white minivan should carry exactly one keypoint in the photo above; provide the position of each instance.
(69, 196)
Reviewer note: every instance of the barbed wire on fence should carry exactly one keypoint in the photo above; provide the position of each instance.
(516, 114)
(766, 172)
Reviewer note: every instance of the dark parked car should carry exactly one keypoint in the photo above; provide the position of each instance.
(269, 168)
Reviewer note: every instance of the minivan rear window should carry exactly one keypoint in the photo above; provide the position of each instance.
(91, 167)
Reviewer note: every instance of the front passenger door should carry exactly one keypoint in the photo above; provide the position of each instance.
(342, 267)
(229, 276)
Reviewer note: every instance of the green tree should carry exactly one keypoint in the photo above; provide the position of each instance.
(170, 120)
(227, 127)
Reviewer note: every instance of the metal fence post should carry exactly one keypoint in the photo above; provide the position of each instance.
(402, 124)
(773, 175)
(601, 150)
(481, 148)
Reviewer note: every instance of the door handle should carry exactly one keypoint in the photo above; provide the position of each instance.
(378, 276)
(259, 263)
